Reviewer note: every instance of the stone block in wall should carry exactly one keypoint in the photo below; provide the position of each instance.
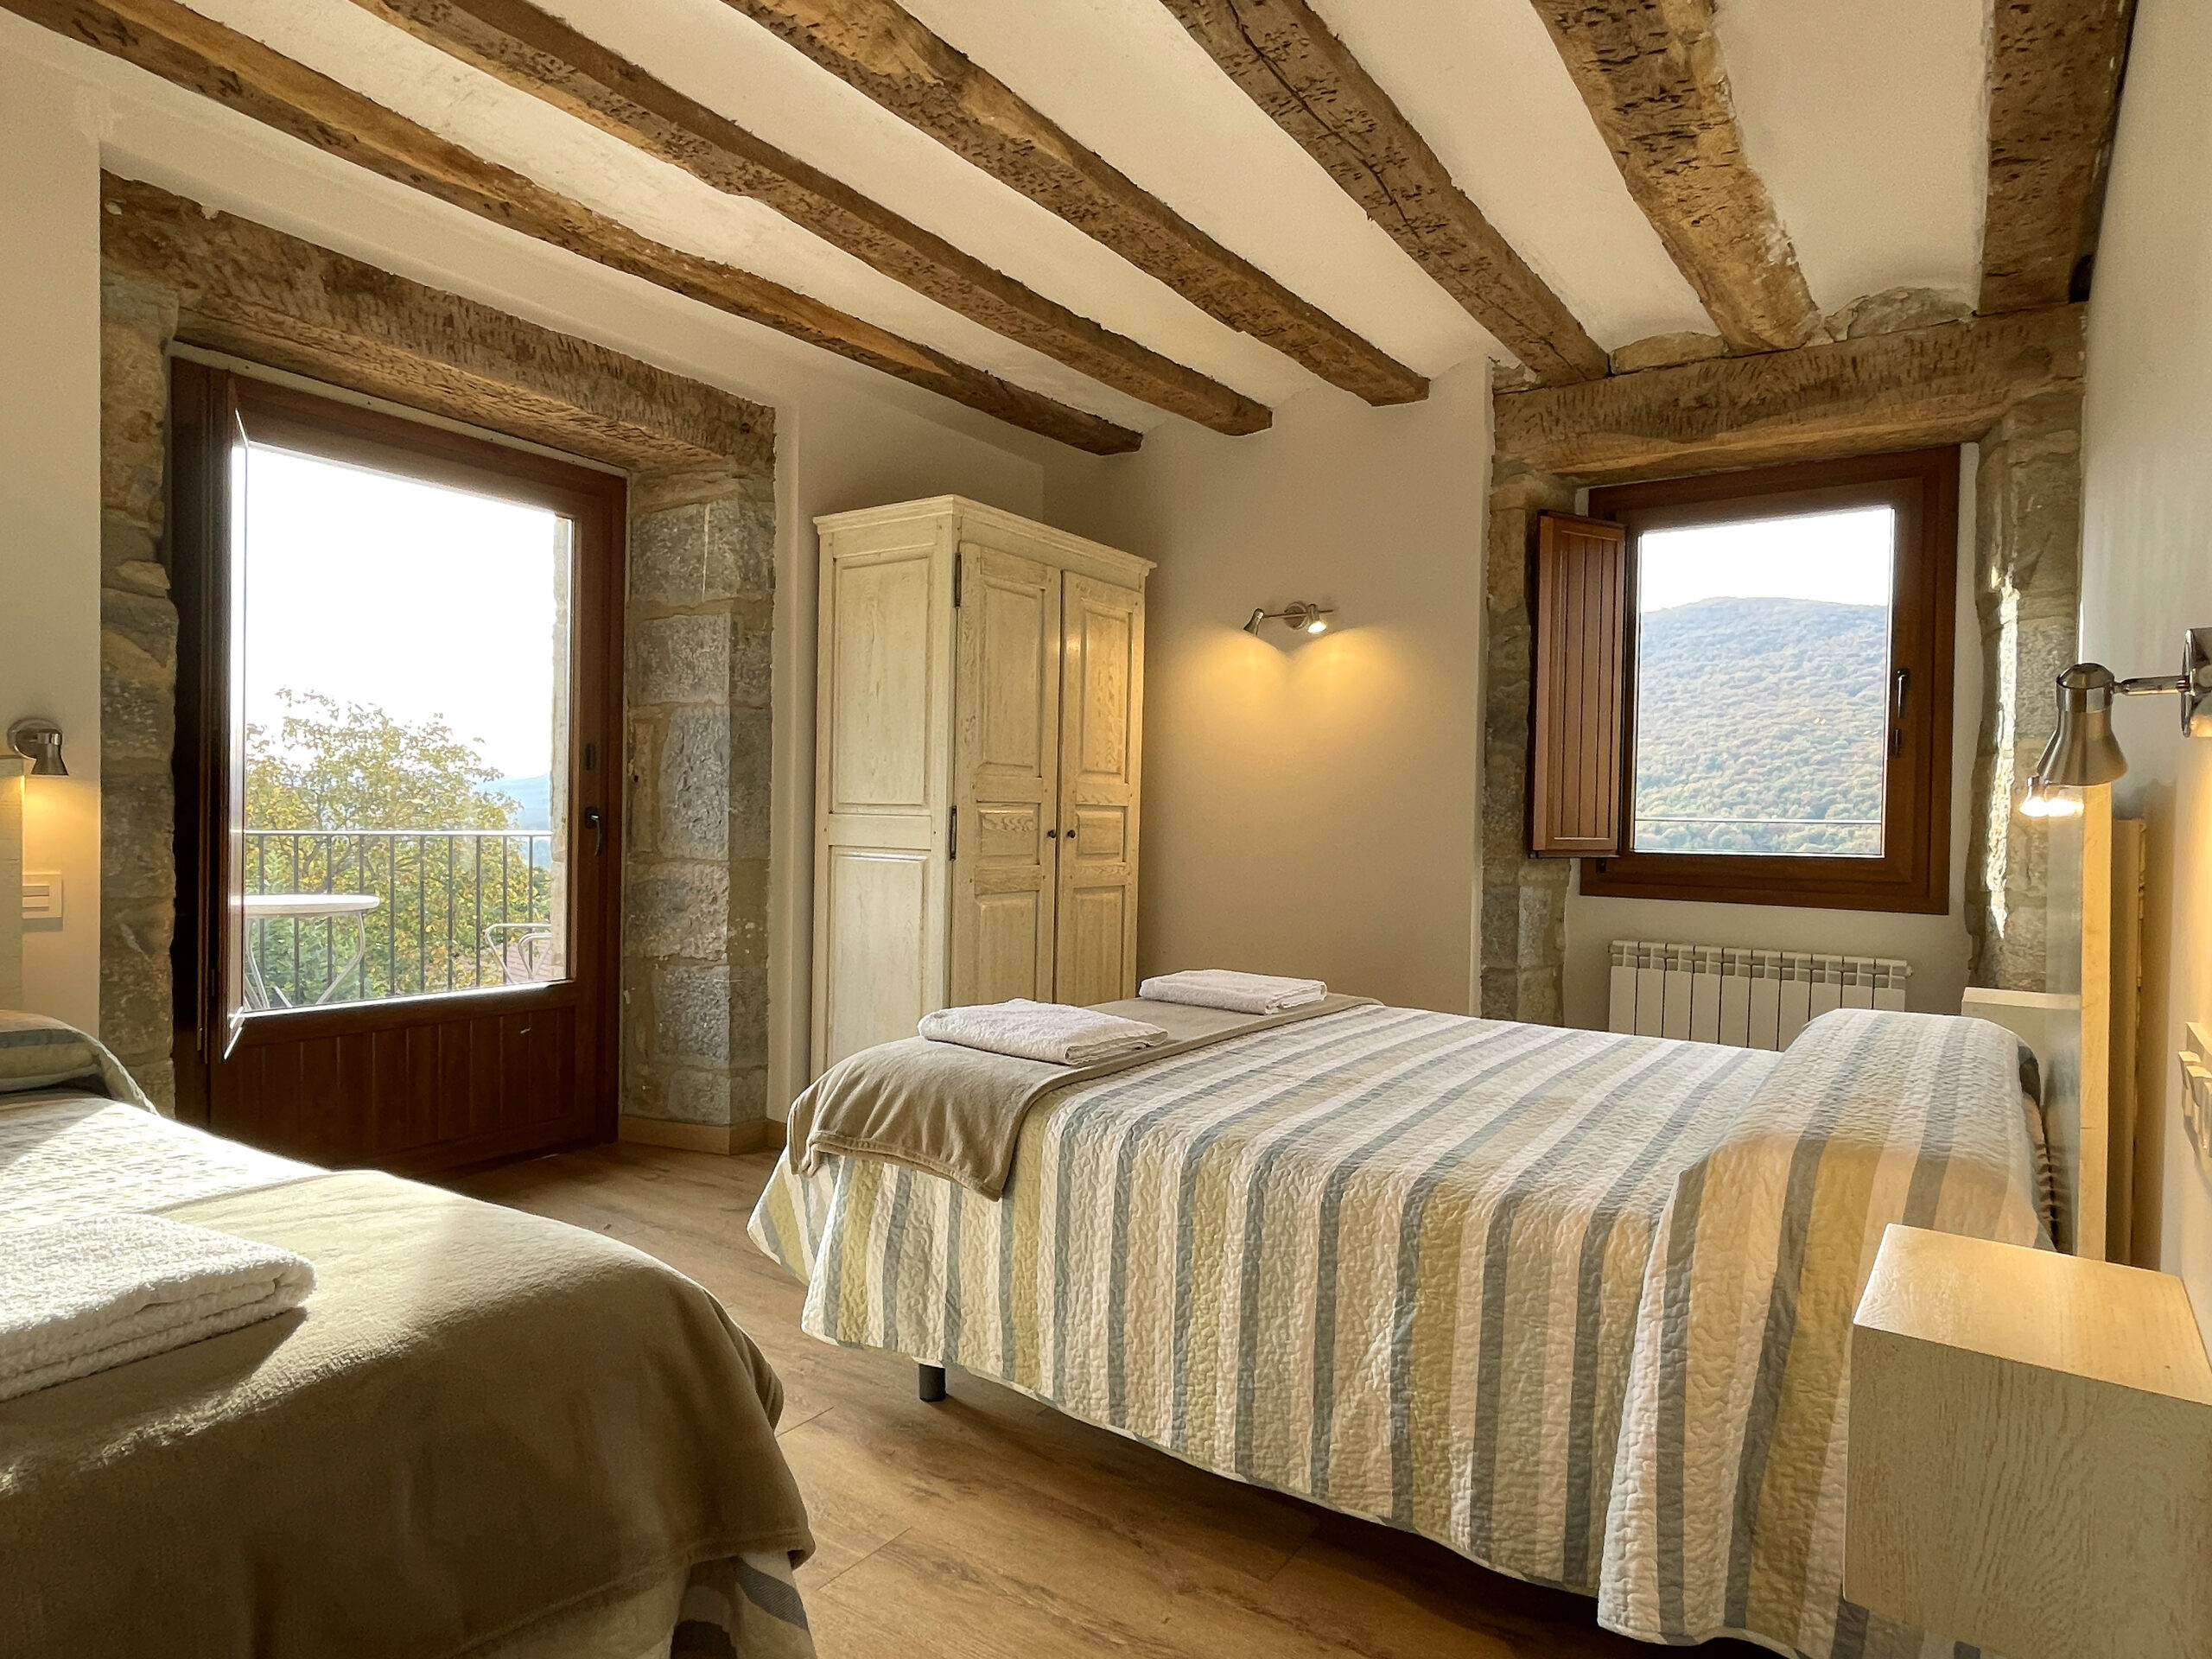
(677, 910)
(692, 785)
(752, 746)
(137, 839)
(751, 662)
(137, 1017)
(680, 659)
(748, 1013)
(137, 321)
(702, 554)
(691, 1015)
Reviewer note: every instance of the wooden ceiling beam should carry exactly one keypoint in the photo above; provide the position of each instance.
(883, 51)
(1948, 384)
(1650, 72)
(2055, 70)
(1290, 64)
(195, 53)
(541, 56)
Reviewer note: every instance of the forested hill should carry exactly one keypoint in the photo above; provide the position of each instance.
(1761, 709)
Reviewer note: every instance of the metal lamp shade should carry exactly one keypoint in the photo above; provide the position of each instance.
(2082, 752)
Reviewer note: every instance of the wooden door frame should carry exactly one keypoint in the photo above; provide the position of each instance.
(204, 402)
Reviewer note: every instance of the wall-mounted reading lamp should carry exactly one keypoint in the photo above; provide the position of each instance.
(2082, 752)
(1302, 618)
(39, 741)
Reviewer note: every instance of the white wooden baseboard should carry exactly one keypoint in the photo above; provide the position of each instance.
(724, 1138)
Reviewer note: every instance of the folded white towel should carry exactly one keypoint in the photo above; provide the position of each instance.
(1056, 1032)
(79, 1296)
(1223, 988)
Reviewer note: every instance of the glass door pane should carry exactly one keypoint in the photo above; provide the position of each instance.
(406, 685)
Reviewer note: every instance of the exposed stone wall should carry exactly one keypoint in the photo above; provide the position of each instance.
(697, 629)
(2028, 599)
(1524, 899)
(695, 962)
(138, 630)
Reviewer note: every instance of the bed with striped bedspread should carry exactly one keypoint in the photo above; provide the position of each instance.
(1574, 1304)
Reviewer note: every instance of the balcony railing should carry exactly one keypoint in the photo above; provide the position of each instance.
(403, 912)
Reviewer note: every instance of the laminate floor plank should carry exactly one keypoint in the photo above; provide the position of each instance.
(993, 1527)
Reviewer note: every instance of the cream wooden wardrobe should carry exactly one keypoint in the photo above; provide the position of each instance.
(979, 713)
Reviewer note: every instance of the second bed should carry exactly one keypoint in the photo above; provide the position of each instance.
(1576, 1305)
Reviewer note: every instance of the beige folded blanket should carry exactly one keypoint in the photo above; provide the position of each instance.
(957, 1112)
(82, 1296)
(1225, 987)
(1056, 1032)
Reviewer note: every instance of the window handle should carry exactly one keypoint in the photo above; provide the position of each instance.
(597, 825)
(1897, 711)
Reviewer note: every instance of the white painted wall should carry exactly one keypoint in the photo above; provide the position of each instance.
(1309, 804)
(1938, 946)
(2147, 564)
(846, 437)
(49, 502)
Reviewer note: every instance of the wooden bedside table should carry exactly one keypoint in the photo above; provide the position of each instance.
(2031, 1447)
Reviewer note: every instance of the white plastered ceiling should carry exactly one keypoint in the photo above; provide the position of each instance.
(1866, 122)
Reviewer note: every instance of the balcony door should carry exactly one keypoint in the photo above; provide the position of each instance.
(399, 788)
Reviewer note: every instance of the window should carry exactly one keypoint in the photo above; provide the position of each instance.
(1766, 658)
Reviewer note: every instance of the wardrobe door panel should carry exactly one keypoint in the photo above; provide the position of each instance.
(1102, 681)
(883, 761)
(1006, 744)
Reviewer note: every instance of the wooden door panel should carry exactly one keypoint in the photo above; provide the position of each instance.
(382, 1094)
(879, 663)
(1006, 714)
(878, 921)
(1102, 674)
(1096, 928)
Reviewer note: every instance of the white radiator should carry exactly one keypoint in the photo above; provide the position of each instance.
(1745, 998)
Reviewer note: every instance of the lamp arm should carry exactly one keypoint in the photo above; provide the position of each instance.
(2150, 685)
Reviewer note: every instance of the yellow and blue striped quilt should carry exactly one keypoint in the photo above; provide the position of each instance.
(1574, 1304)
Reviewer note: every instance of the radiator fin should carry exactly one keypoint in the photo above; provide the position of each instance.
(1738, 996)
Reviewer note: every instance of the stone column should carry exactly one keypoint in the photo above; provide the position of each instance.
(695, 1026)
(2028, 595)
(1523, 899)
(138, 633)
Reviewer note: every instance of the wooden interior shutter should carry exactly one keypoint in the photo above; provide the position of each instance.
(1580, 686)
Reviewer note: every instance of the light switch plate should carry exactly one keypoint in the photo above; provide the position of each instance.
(2196, 1093)
(42, 896)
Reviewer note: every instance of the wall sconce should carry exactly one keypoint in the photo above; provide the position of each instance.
(1302, 617)
(2082, 752)
(39, 741)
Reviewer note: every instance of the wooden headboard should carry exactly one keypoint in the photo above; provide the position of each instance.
(11, 881)
(2083, 1027)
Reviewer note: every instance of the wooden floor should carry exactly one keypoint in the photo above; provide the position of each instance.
(991, 1527)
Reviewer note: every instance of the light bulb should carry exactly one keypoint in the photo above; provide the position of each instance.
(1319, 625)
(2048, 801)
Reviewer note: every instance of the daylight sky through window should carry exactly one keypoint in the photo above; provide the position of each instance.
(1842, 557)
(422, 600)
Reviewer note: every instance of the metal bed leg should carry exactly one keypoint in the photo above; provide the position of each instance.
(932, 1383)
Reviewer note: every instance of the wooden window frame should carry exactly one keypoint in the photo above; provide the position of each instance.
(1913, 874)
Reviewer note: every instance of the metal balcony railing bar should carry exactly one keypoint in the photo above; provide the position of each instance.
(457, 909)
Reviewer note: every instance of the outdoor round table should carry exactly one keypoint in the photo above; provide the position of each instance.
(280, 906)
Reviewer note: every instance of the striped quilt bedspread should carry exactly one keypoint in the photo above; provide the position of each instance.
(1574, 1304)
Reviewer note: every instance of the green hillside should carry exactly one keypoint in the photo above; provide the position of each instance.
(1761, 709)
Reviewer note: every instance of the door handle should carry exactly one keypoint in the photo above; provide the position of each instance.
(597, 825)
